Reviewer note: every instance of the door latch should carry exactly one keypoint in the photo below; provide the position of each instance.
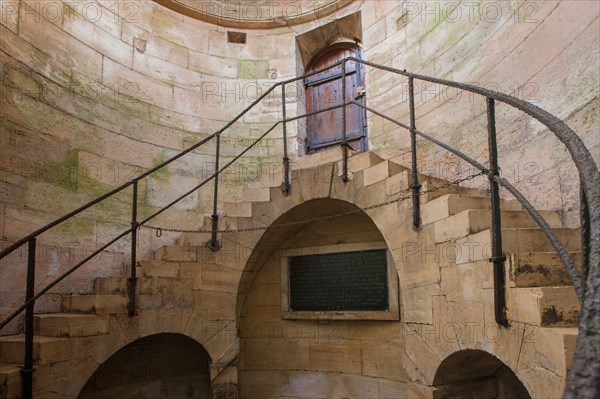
(360, 92)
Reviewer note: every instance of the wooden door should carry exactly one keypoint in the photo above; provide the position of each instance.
(324, 90)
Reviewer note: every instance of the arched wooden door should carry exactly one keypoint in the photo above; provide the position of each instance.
(324, 90)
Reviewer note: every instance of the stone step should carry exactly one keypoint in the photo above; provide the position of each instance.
(473, 221)
(360, 161)
(172, 253)
(238, 209)
(111, 285)
(452, 204)
(66, 325)
(543, 306)
(224, 223)
(541, 269)
(195, 239)
(431, 183)
(322, 157)
(45, 349)
(10, 381)
(98, 304)
(261, 194)
(555, 347)
(381, 171)
(402, 183)
(145, 285)
(476, 247)
(270, 178)
(168, 268)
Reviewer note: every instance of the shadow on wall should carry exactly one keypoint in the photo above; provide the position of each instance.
(477, 374)
(159, 366)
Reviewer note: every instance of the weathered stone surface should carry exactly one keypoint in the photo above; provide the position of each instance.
(544, 306)
(69, 325)
(540, 269)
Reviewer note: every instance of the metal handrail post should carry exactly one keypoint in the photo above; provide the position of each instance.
(28, 369)
(214, 243)
(498, 257)
(344, 127)
(134, 229)
(416, 186)
(286, 160)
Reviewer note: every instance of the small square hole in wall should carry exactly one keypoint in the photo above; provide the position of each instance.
(236, 37)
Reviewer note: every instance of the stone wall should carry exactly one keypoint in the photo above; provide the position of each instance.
(545, 52)
(93, 94)
(96, 92)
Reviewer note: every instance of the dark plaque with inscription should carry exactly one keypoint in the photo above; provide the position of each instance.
(346, 281)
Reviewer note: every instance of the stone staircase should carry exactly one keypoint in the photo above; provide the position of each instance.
(188, 276)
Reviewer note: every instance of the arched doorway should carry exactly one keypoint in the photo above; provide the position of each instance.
(324, 90)
(479, 375)
(157, 366)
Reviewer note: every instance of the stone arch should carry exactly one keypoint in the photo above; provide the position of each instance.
(151, 366)
(288, 226)
(473, 371)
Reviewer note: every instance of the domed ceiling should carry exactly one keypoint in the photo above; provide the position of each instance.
(253, 14)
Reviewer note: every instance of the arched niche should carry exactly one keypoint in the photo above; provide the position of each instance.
(478, 374)
(156, 366)
(314, 355)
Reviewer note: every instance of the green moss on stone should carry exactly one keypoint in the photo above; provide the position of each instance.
(74, 229)
(247, 70)
(163, 174)
(66, 174)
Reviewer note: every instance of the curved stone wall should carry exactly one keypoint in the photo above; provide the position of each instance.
(96, 92)
(543, 52)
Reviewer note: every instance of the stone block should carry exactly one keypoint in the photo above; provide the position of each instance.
(238, 209)
(167, 72)
(417, 302)
(195, 239)
(205, 301)
(277, 354)
(98, 39)
(432, 187)
(191, 272)
(383, 360)
(475, 220)
(361, 161)
(478, 246)
(256, 194)
(556, 348)
(165, 188)
(176, 253)
(342, 357)
(98, 304)
(381, 171)
(451, 204)
(110, 286)
(219, 278)
(541, 269)
(543, 306)
(64, 325)
(168, 268)
(10, 381)
(155, 45)
(397, 185)
(45, 349)
(142, 87)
